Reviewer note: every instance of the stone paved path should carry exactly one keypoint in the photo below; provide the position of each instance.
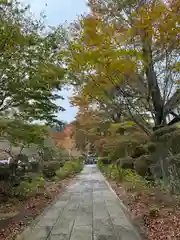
(89, 210)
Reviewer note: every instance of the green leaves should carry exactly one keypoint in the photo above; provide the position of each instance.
(20, 133)
(31, 72)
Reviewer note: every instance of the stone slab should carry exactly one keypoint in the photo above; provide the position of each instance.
(89, 210)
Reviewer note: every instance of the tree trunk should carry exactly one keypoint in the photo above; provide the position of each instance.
(154, 91)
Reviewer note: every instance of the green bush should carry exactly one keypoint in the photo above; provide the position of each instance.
(27, 189)
(163, 131)
(100, 164)
(171, 141)
(113, 172)
(73, 166)
(135, 181)
(139, 151)
(34, 166)
(5, 172)
(175, 160)
(104, 164)
(105, 160)
(124, 148)
(50, 168)
(126, 163)
(62, 173)
(69, 168)
(142, 165)
(107, 170)
(78, 166)
(151, 147)
(129, 177)
(116, 173)
(167, 137)
(30, 177)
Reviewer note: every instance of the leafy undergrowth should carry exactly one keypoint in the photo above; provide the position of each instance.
(156, 219)
(27, 210)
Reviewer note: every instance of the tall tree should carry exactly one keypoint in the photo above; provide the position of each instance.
(31, 73)
(126, 53)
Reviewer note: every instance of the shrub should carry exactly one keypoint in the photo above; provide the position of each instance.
(100, 164)
(27, 189)
(105, 160)
(175, 160)
(107, 169)
(73, 166)
(126, 163)
(125, 147)
(172, 140)
(78, 166)
(135, 181)
(113, 171)
(139, 151)
(50, 168)
(142, 165)
(69, 168)
(117, 173)
(29, 177)
(5, 172)
(61, 173)
(151, 147)
(163, 131)
(130, 178)
(167, 138)
(121, 150)
(34, 166)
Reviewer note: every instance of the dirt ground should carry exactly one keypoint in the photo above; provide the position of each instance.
(155, 218)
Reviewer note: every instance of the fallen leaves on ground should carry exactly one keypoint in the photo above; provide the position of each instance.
(160, 224)
(28, 209)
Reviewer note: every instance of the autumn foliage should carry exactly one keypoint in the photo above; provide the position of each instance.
(123, 60)
(127, 53)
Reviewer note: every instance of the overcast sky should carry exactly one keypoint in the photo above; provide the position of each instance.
(57, 12)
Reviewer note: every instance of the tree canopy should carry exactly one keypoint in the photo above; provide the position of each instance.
(124, 58)
(31, 73)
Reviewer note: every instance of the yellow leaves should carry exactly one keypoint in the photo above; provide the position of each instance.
(153, 19)
(122, 65)
(176, 67)
(156, 12)
(93, 89)
(115, 127)
(110, 53)
(94, 33)
(128, 124)
(177, 82)
(80, 100)
(148, 14)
